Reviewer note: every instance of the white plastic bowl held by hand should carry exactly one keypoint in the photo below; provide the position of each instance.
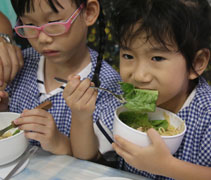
(14, 146)
(141, 138)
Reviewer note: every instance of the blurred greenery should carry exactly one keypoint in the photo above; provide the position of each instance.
(207, 73)
(111, 53)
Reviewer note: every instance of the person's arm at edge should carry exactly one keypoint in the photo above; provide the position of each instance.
(6, 26)
(179, 169)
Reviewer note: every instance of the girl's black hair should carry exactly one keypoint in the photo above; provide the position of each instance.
(186, 23)
(22, 6)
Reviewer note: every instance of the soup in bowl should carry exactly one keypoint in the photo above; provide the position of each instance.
(171, 132)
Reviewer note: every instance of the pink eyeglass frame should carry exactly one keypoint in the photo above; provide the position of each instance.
(67, 24)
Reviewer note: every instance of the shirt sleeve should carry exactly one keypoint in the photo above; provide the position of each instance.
(103, 120)
(204, 156)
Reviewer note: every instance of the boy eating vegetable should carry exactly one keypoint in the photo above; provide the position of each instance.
(165, 46)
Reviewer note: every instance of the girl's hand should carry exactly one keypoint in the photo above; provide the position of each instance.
(154, 158)
(11, 61)
(80, 97)
(81, 100)
(4, 99)
(39, 125)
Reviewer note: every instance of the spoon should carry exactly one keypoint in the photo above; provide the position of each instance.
(120, 97)
(45, 105)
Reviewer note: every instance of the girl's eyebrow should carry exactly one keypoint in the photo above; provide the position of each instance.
(46, 13)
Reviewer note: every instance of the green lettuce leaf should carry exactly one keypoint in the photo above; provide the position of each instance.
(139, 102)
(156, 124)
(139, 99)
(136, 119)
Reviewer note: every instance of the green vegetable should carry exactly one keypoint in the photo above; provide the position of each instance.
(156, 124)
(136, 119)
(139, 102)
(16, 132)
(139, 99)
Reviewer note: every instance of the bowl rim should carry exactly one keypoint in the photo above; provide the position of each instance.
(10, 113)
(144, 133)
(18, 134)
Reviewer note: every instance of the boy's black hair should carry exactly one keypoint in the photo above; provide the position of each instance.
(186, 23)
(23, 6)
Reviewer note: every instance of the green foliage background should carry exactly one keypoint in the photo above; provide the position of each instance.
(111, 53)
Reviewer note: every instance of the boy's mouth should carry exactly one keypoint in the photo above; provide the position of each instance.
(50, 53)
(145, 88)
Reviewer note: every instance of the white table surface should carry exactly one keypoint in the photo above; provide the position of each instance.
(44, 166)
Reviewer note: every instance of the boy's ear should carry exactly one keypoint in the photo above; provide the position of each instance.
(91, 12)
(200, 63)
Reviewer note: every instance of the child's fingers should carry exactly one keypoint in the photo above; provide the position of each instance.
(38, 128)
(93, 98)
(121, 152)
(71, 86)
(4, 94)
(34, 135)
(92, 84)
(126, 145)
(82, 88)
(154, 136)
(35, 116)
(35, 112)
(29, 120)
(89, 94)
(70, 77)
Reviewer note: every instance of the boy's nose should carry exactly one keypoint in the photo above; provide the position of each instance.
(142, 74)
(44, 38)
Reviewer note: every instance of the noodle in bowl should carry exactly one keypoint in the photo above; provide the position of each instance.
(137, 137)
(14, 146)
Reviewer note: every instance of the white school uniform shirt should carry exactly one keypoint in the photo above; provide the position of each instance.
(100, 129)
(40, 77)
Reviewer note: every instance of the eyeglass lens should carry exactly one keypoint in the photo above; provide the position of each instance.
(50, 29)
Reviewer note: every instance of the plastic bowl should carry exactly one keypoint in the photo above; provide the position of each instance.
(141, 138)
(14, 146)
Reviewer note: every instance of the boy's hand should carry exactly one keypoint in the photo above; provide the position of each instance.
(11, 61)
(4, 99)
(80, 97)
(39, 125)
(154, 158)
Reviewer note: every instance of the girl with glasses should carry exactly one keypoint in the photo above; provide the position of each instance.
(57, 32)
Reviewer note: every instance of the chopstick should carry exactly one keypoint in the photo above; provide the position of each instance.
(45, 105)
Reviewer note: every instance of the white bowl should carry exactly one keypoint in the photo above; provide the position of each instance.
(12, 147)
(141, 138)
